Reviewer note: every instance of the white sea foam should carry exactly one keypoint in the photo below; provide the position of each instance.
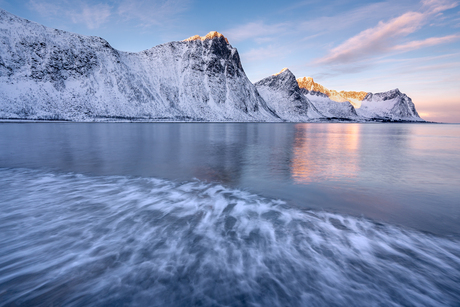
(74, 240)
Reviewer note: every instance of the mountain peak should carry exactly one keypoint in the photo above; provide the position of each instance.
(210, 35)
(282, 70)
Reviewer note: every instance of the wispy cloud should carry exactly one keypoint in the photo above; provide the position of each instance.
(91, 16)
(79, 12)
(436, 6)
(265, 32)
(46, 8)
(387, 36)
(366, 13)
(256, 30)
(375, 40)
(263, 53)
(95, 14)
(155, 12)
(432, 41)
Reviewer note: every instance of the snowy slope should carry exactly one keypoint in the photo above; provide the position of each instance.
(391, 105)
(330, 108)
(283, 95)
(53, 74)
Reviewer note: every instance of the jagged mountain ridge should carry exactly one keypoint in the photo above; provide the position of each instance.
(53, 74)
(285, 95)
(391, 105)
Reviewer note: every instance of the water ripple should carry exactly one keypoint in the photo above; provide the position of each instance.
(74, 240)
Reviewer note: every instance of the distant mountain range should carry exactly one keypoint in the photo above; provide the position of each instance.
(49, 74)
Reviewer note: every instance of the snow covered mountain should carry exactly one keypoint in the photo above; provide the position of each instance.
(53, 74)
(392, 105)
(283, 95)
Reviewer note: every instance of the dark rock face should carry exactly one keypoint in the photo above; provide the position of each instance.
(392, 94)
(304, 91)
(53, 74)
(283, 95)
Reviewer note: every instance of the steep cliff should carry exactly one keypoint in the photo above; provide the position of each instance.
(283, 95)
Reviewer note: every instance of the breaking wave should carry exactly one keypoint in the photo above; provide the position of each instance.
(74, 240)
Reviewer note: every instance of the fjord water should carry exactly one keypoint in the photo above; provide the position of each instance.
(156, 214)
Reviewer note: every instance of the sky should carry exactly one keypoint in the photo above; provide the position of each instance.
(371, 46)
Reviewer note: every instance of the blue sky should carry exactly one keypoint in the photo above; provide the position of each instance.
(344, 45)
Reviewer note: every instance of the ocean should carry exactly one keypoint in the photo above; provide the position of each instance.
(229, 214)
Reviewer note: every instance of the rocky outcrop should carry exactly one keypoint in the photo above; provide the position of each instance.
(52, 74)
(283, 95)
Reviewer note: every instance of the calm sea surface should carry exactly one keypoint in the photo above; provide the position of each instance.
(210, 214)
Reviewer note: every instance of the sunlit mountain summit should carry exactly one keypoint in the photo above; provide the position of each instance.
(210, 35)
(282, 70)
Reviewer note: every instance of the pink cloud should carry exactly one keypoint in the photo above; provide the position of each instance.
(385, 37)
(432, 41)
(378, 39)
(436, 6)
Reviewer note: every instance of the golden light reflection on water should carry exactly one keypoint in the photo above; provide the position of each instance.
(330, 155)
